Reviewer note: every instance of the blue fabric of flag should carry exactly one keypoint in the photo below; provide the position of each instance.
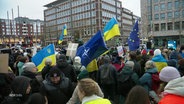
(92, 49)
(134, 40)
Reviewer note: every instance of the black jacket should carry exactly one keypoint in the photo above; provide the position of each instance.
(57, 94)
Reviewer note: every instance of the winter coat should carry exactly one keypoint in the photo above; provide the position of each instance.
(57, 94)
(146, 79)
(45, 70)
(20, 65)
(68, 70)
(160, 62)
(95, 100)
(174, 92)
(78, 67)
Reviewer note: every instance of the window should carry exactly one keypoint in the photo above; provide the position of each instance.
(162, 16)
(156, 16)
(149, 1)
(169, 26)
(177, 4)
(176, 14)
(169, 5)
(149, 17)
(156, 8)
(149, 8)
(182, 25)
(155, 1)
(183, 13)
(156, 27)
(162, 7)
(169, 15)
(177, 25)
(163, 26)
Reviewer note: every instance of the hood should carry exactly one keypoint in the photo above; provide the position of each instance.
(158, 58)
(127, 70)
(20, 64)
(47, 78)
(175, 87)
(61, 65)
(20, 85)
(29, 74)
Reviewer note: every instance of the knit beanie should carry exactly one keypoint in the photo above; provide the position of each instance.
(129, 64)
(28, 66)
(77, 59)
(20, 85)
(157, 52)
(151, 52)
(169, 73)
(54, 72)
(83, 74)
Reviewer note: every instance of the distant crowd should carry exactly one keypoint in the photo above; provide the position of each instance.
(143, 76)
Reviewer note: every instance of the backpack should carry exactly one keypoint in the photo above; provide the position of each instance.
(155, 84)
(125, 83)
(106, 76)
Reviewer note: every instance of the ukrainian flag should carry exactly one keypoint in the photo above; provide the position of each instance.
(64, 32)
(39, 58)
(111, 29)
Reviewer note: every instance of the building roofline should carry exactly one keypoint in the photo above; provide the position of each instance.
(54, 3)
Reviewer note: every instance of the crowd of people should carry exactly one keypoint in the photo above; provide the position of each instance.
(138, 77)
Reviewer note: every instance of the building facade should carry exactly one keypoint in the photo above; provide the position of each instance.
(82, 17)
(163, 20)
(20, 30)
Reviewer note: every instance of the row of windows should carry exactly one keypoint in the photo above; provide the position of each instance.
(84, 15)
(83, 8)
(108, 7)
(170, 15)
(169, 26)
(80, 2)
(169, 5)
(107, 14)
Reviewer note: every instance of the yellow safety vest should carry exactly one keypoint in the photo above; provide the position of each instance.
(99, 101)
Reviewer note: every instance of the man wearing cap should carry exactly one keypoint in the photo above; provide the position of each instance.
(56, 87)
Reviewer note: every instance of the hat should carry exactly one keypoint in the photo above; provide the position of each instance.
(157, 52)
(169, 73)
(149, 64)
(83, 74)
(151, 52)
(28, 66)
(48, 61)
(171, 62)
(55, 72)
(143, 52)
(129, 64)
(20, 85)
(77, 59)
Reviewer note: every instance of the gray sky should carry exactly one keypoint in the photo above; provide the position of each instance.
(33, 9)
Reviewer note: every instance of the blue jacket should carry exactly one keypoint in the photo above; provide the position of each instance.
(146, 79)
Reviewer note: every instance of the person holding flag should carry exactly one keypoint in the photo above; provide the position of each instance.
(134, 40)
(111, 29)
(64, 32)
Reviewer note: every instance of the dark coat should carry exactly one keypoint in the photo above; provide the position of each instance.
(57, 94)
(67, 69)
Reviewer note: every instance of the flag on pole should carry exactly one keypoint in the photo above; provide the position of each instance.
(134, 40)
(92, 49)
(64, 32)
(39, 58)
(111, 29)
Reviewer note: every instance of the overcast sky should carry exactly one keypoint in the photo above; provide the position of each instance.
(33, 9)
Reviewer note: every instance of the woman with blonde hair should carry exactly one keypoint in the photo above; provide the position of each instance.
(88, 92)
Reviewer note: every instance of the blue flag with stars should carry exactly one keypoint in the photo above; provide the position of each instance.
(134, 40)
(92, 49)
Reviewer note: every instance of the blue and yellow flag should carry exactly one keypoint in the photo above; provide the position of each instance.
(92, 49)
(111, 29)
(133, 40)
(39, 58)
(64, 32)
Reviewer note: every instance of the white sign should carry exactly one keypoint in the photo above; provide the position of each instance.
(72, 49)
(120, 50)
